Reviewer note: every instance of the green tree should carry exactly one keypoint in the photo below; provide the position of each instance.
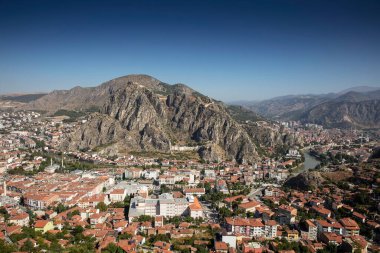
(101, 206)
(330, 248)
(361, 198)
(28, 246)
(60, 208)
(124, 236)
(77, 230)
(112, 248)
(4, 213)
(160, 237)
(6, 247)
(55, 247)
(225, 212)
(144, 218)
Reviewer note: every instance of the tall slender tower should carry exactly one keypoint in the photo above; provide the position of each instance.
(62, 163)
(5, 188)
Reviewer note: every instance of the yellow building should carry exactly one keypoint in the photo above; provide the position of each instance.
(43, 226)
(292, 235)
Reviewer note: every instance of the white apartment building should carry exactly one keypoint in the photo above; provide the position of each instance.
(165, 205)
(118, 195)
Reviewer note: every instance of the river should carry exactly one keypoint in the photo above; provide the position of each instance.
(310, 161)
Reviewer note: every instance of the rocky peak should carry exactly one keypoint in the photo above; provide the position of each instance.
(141, 113)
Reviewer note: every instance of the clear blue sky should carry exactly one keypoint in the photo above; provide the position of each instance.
(229, 50)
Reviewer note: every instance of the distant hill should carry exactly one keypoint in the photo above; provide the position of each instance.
(286, 107)
(12, 101)
(25, 98)
(362, 89)
(352, 109)
(356, 107)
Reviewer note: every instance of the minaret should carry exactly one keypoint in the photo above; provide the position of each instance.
(5, 188)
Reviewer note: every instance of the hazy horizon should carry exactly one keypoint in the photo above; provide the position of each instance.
(226, 101)
(228, 50)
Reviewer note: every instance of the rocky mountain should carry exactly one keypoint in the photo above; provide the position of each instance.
(141, 113)
(89, 98)
(352, 109)
(286, 107)
(355, 107)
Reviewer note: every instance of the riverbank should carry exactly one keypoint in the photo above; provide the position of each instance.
(310, 162)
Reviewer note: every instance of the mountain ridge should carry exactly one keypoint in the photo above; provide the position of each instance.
(350, 108)
(141, 113)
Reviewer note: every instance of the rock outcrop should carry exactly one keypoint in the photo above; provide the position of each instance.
(140, 113)
(306, 180)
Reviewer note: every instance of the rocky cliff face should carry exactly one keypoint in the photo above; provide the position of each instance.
(362, 114)
(266, 136)
(142, 114)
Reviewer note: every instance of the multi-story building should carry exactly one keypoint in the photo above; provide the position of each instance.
(93, 201)
(245, 227)
(158, 221)
(133, 173)
(194, 192)
(312, 230)
(330, 238)
(195, 208)
(165, 205)
(151, 174)
(321, 211)
(270, 229)
(350, 227)
(286, 214)
(164, 179)
(118, 195)
(325, 226)
(40, 201)
(20, 219)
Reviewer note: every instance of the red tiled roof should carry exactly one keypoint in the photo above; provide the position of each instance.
(321, 210)
(332, 237)
(348, 223)
(195, 190)
(221, 246)
(244, 222)
(249, 204)
(41, 223)
(196, 206)
(232, 199)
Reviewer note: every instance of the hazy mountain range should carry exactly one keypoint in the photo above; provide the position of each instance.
(140, 113)
(354, 107)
